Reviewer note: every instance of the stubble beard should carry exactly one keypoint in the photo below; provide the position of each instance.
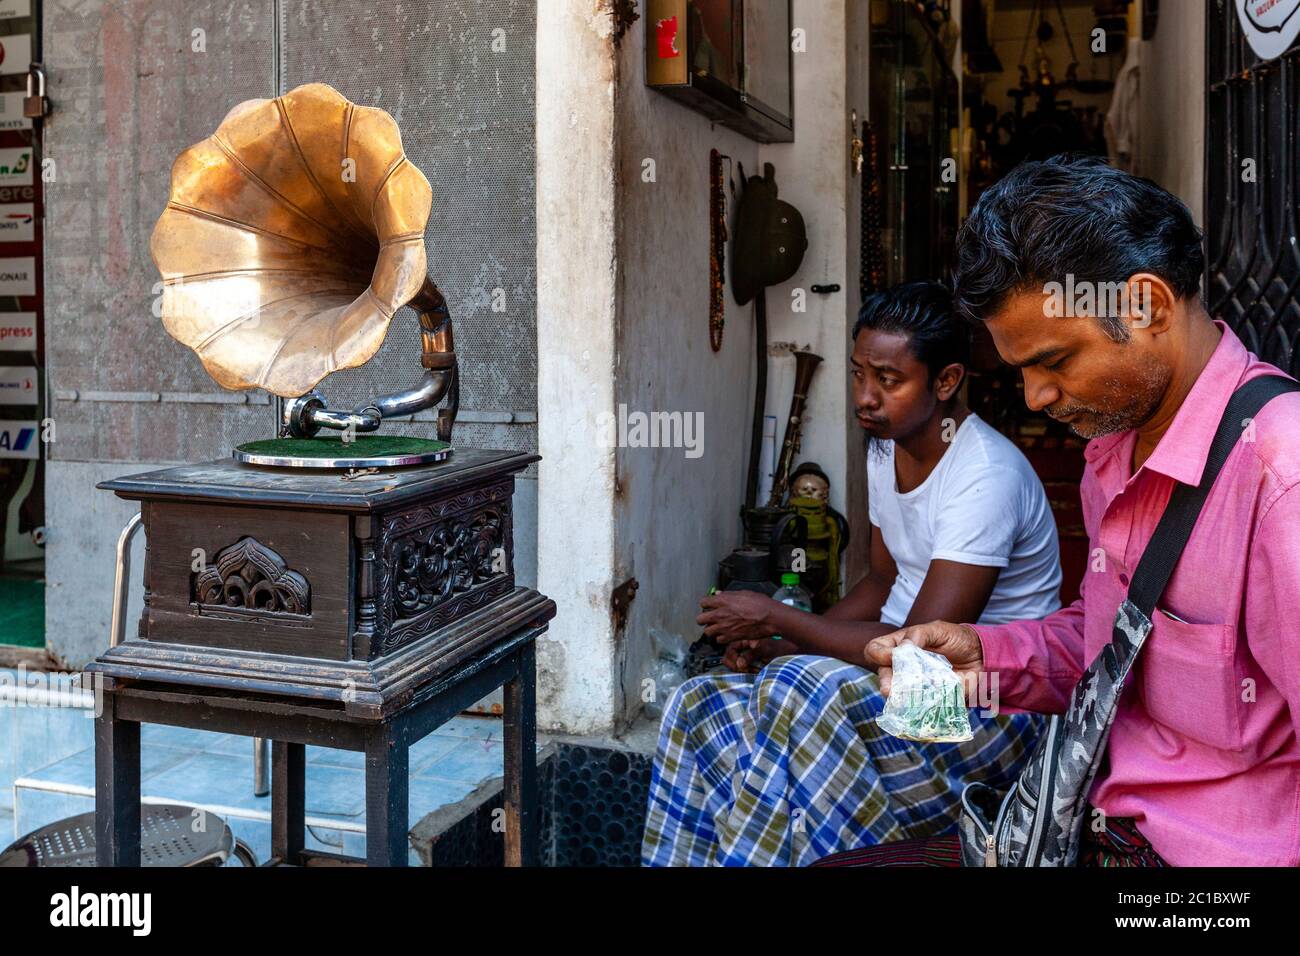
(1131, 406)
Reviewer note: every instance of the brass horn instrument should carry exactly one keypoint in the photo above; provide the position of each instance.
(291, 237)
(805, 363)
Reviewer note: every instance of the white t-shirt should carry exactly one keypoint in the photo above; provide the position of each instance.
(982, 505)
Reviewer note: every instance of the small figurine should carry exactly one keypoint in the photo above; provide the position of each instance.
(809, 481)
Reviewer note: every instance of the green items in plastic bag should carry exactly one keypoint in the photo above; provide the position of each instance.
(927, 701)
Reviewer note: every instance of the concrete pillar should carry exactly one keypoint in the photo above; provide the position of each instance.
(576, 308)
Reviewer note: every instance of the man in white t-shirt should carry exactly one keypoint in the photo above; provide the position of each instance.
(982, 506)
(789, 766)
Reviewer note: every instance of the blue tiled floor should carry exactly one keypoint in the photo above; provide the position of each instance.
(215, 771)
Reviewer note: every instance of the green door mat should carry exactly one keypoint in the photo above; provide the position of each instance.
(22, 612)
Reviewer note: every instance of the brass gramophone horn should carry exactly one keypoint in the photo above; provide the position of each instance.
(291, 236)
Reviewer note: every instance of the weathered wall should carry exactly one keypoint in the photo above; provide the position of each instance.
(677, 515)
(576, 278)
(814, 174)
(131, 91)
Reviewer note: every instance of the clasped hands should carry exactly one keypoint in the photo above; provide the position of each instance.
(741, 622)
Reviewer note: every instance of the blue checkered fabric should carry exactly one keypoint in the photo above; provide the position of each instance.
(787, 766)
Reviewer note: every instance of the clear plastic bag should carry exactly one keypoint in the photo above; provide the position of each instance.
(927, 701)
(668, 670)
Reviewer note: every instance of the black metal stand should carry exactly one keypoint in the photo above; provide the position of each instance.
(293, 722)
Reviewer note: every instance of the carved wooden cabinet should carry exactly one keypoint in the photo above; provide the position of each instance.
(349, 589)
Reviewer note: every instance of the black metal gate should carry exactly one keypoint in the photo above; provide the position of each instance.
(1252, 186)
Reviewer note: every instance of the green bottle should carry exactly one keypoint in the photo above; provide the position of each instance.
(792, 594)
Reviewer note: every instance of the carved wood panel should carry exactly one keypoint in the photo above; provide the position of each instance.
(252, 580)
(439, 562)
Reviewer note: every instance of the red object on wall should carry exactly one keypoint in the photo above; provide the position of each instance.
(666, 37)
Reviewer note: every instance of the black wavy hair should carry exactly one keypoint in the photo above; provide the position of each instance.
(923, 312)
(1073, 214)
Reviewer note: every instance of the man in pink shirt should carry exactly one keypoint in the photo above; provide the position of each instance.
(1202, 765)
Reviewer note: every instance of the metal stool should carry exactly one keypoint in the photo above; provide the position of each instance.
(167, 838)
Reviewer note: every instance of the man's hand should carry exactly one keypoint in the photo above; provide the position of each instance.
(957, 642)
(736, 615)
(749, 657)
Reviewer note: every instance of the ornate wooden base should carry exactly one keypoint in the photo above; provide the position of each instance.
(310, 608)
(365, 688)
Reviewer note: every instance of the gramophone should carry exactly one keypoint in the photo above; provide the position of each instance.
(290, 238)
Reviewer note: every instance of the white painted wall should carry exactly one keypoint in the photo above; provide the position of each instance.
(576, 287)
(677, 516)
(814, 173)
(1172, 98)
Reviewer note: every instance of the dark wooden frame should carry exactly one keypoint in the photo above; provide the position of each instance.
(729, 105)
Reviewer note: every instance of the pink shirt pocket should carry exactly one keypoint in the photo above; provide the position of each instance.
(1189, 680)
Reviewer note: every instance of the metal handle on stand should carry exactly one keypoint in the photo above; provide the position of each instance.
(117, 632)
(122, 580)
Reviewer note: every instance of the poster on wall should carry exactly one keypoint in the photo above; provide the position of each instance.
(19, 440)
(12, 9)
(18, 222)
(17, 331)
(16, 166)
(11, 112)
(1271, 26)
(15, 53)
(18, 276)
(18, 385)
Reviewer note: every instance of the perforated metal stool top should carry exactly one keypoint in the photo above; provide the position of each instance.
(170, 835)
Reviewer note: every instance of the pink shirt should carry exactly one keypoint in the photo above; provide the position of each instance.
(1203, 751)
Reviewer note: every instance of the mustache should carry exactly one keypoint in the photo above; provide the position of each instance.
(1062, 412)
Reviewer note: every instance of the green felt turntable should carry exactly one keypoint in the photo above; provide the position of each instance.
(364, 451)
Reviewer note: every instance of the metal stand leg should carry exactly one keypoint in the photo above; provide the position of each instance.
(387, 794)
(261, 776)
(288, 800)
(117, 789)
(519, 736)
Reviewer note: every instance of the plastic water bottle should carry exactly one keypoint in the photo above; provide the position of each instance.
(792, 594)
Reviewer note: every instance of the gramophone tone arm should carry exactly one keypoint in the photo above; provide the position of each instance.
(306, 415)
(363, 420)
(435, 328)
(428, 393)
